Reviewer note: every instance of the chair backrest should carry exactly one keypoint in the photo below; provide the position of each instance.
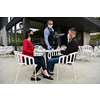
(87, 47)
(96, 51)
(65, 59)
(40, 48)
(2, 50)
(36, 46)
(52, 53)
(9, 49)
(39, 53)
(58, 48)
(15, 53)
(99, 46)
(19, 59)
(20, 48)
(80, 50)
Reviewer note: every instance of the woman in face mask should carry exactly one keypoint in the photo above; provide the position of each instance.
(28, 49)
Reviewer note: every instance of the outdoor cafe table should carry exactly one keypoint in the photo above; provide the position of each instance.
(45, 53)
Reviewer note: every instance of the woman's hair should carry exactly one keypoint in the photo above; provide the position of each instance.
(26, 34)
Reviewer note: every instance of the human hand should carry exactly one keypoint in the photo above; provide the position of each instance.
(35, 50)
(61, 50)
(49, 47)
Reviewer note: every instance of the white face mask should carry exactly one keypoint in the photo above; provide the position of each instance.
(50, 26)
(68, 37)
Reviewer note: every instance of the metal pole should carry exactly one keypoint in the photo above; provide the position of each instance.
(11, 37)
(26, 25)
(8, 37)
(15, 39)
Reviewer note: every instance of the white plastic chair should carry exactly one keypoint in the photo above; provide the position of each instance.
(64, 60)
(36, 46)
(87, 47)
(58, 48)
(85, 52)
(39, 53)
(99, 46)
(96, 52)
(80, 54)
(18, 57)
(20, 48)
(2, 51)
(9, 49)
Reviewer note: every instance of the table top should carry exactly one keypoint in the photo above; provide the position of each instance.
(59, 34)
(47, 50)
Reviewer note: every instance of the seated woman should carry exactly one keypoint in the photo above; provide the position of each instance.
(28, 49)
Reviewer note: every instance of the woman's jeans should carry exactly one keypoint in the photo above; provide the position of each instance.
(51, 62)
(39, 60)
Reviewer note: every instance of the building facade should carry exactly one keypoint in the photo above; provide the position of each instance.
(16, 28)
(3, 32)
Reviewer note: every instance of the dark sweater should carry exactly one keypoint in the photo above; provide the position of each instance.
(72, 47)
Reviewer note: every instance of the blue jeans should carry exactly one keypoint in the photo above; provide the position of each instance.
(51, 62)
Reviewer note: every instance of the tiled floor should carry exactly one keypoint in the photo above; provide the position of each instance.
(86, 72)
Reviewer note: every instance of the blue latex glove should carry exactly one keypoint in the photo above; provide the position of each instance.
(56, 36)
(49, 47)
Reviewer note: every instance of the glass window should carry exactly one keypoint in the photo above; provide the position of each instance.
(38, 35)
(19, 31)
(79, 38)
(13, 35)
(9, 37)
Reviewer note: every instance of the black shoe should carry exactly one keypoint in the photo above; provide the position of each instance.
(37, 79)
(47, 77)
(50, 73)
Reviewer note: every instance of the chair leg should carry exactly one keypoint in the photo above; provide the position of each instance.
(35, 73)
(35, 76)
(74, 74)
(58, 72)
(17, 74)
(57, 75)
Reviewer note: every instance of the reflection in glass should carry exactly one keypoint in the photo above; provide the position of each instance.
(38, 35)
(19, 31)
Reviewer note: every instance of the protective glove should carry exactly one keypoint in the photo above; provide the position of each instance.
(56, 36)
(49, 47)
